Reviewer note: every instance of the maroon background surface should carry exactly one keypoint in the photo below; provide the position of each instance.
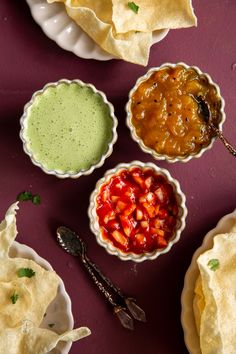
(29, 60)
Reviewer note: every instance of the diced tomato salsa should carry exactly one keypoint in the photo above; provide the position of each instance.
(137, 210)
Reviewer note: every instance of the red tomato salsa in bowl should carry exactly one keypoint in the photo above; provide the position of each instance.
(137, 211)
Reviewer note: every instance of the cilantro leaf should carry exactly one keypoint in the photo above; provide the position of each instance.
(213, 264)
(25, 272)
(133, 7)
(36, 199)
(24, 196)
(14, 297)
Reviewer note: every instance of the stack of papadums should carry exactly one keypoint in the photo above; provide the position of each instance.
(215, 297)
(125, 29)
(24, 300)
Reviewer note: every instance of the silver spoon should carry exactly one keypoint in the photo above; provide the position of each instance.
(205, 111)
(73, 244)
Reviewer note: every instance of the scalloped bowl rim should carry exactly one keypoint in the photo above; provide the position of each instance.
(23, 122)
(94, 226)
(148, 150)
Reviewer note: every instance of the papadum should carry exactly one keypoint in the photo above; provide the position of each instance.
(26, 291)
(153, 15)
(215, 297)
(123, 33)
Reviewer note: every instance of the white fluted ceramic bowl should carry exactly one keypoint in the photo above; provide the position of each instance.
(108, 245)
(155, 154)
(34, 154)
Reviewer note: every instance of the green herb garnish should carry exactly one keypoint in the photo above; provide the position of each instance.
(14, 297)
(25, 196)
(25, 272)
(213, 264)
(51, 325)
(133, 7)
(36, 199)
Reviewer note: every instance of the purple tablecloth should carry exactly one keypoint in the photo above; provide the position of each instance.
(28, 60)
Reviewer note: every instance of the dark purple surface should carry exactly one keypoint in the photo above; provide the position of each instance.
(29, 60)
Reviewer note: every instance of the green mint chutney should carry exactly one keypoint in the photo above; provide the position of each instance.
(68, 128)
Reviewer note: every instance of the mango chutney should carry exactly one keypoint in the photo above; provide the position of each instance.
(165, 114)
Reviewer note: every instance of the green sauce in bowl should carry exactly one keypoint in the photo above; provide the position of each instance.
(68, 127)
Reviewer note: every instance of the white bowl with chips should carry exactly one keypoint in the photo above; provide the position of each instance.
(129, 37)
(185, 157)
(58, 26)
(59, 316)
(226, 224)
(94, 219)
(38, 295)
(88, 123)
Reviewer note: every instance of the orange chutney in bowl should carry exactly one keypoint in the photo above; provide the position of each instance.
(165, 114)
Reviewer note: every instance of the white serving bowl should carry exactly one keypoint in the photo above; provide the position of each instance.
(155, 154)
(108, 245)
(59, 172)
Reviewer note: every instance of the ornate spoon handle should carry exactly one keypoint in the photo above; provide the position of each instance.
(73, 244)
(134, 309)
(105, 279)
(228, 146)
(118, 310)
(100, 286)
